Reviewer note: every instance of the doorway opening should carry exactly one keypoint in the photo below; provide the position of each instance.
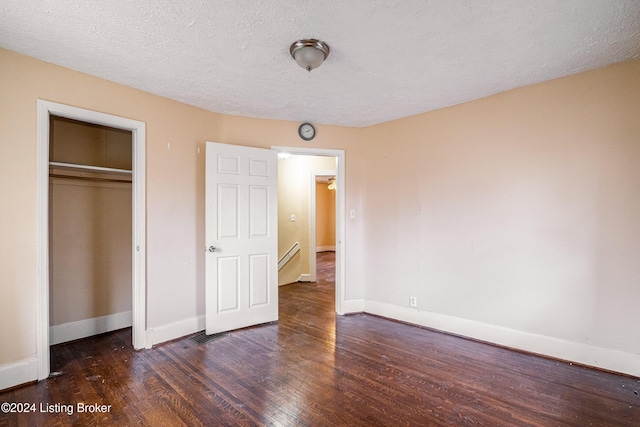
(48, 112)
(288, 215)
(322, 212)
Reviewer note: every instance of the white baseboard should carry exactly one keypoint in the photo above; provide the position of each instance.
(89, 327)
(325, 248)
(21, 372)
(175, 330)
(352, 306)
(304, 278)
(599, 357)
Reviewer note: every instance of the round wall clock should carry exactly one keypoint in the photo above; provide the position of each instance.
(307, 131)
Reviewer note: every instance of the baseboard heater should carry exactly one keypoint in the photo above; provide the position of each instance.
(287, 257)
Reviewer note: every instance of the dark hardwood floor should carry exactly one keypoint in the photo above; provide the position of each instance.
(313, 368)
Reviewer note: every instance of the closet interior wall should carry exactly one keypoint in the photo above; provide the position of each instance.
(90, 226)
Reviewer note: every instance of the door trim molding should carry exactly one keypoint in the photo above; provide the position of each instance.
(341, 241)
(138, 250)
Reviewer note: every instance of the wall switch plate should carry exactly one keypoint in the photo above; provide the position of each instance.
(352, 214)
(293, 217)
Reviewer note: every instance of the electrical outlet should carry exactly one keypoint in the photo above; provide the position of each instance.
(413, 301)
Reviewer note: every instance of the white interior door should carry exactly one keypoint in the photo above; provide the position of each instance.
(241, 236)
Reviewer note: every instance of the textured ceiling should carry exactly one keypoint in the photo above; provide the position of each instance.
(389, 59)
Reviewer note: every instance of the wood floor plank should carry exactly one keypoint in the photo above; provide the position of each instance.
(313, 368)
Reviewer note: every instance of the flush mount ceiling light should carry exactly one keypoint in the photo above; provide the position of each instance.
(332, 183)
(309, 53)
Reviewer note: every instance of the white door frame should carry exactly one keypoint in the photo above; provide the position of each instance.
(312, 220)
(138, 250)
(340, 214)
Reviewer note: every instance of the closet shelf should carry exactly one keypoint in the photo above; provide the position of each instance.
(89, 168)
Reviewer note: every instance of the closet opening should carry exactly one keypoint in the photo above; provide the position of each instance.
(109, 163)
(90, 229)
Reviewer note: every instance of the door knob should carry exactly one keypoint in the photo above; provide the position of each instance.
(211, 248)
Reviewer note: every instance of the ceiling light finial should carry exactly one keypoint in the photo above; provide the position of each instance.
(309, 53)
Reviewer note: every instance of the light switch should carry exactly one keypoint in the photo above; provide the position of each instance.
(352, 214)
(293, 217)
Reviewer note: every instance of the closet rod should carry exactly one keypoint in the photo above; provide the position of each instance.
(88, 178)
(88, 168)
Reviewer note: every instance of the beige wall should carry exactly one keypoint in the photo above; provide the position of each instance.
(175, 188)
(294, 182)
(520, 210)
(325, 216)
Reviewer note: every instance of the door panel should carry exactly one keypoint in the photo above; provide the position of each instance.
(242, 237)
(227, 211)
(258, 211)
(229, 294)
(259, 279)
